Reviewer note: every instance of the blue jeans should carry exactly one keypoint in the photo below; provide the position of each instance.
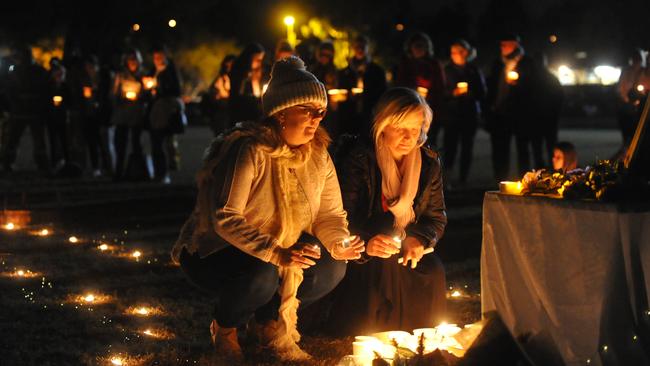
(245, 286)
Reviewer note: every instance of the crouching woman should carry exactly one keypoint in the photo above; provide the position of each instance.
(263, 186)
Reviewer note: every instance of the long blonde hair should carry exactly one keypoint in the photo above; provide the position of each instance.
(393, 106)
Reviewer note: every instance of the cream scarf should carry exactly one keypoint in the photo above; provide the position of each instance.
(399, 183)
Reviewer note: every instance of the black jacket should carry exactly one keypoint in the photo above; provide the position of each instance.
(360, 180)
(464, 108)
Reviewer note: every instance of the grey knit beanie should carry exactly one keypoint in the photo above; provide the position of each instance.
(291, 84)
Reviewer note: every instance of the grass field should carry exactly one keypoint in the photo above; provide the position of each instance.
(47, 320)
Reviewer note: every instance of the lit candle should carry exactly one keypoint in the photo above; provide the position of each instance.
(338, 95)
(456, 294)
(103, 247)
(142, 311)
(44, 232)
(136, 254)
(73, 239)
(264, 87)
(356, 91)
(88, 92)
(422, 91)
(131, 95)
(640, 88)
(10, 226)
(57, 100)
(512, 76)
(510, 187)
(89, 298)
(149, 82)
(462, 87)
(117, 361)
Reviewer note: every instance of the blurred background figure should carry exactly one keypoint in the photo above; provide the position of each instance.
(365, 81)
(246, 80)
(509, 101)
(420, 71)
(283, 49)
(29, 96)
(129, 106)
(565, 157)
(327, 73)
(549, 99)
(465, 91)
(167, 116)
(214, 103)
(57, 116)
(632, 91)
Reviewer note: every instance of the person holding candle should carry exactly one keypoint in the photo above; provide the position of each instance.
(393, 193)
(58, 114)
(214, 102)
(465, 92)
(509, 101)
(325, 70)
(365, 81)
(420, 70)
(129, 106)
(247, 82)
(264, 185)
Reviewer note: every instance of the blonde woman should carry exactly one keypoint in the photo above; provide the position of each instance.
(392, 192)
(264, 185)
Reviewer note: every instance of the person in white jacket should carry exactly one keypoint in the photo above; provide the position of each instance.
(266, 186)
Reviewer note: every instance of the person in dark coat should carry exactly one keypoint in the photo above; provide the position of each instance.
(246, 82)
(392, 191)
(420, 71)
(365, 81)
(465, 91)
(327, 73)
(509, 102)
(57, 120)
(29, 97)
(549, 97)
(630, 98)
(165, 87)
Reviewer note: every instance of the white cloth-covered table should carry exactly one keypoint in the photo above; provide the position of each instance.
(569, 279)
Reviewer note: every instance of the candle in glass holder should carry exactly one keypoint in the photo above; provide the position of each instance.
(510, 187)
(640, 88)
(149, 82)
(422, 91)
(57, 100)
(131, 95)
(338, 95)
(462, 87)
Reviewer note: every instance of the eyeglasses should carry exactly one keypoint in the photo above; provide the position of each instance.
(313, 112)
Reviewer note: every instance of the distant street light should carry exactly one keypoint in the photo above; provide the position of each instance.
(552, 38)
(136, 27)
(172, 23)
(289, 21)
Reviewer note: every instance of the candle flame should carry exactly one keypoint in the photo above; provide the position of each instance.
(73, 239)
(20, 273)
(117, 361)
(513, 75)
(136, 254)
(103, 247)
(131, 95)
(143, 311)
(456, 294)
(10, 226)
(89, 298)
(88, 92)
(45, 232)
(640, 88)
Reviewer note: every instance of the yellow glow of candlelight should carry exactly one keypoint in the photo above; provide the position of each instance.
(20, 273)
(143, 311)
(171, 23)
(356, 91)
(289, 20)
(57, 100)
(89, 298)
(73, 239)
(136, 27)
(117, 361)
(462, 87)
(338, 95)
(103, 247)
(423, 91)
(149, 82)
(10, 226)
(148, 332)
(513, 75)
(88, 92)
(456, 294)
(640, 88)
(136, 254)
(511, 187)
(131, 95)
(264, 87)
(44, 232)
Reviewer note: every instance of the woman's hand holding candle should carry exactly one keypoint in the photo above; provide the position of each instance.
(351, 248)
(383, 246)
(413, 251)
(298, 255)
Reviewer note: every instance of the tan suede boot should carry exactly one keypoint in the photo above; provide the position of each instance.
(225, 342)
(284, 345)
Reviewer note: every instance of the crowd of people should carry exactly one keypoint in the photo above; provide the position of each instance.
(518, 100)
(84, 116)
(91, 117)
